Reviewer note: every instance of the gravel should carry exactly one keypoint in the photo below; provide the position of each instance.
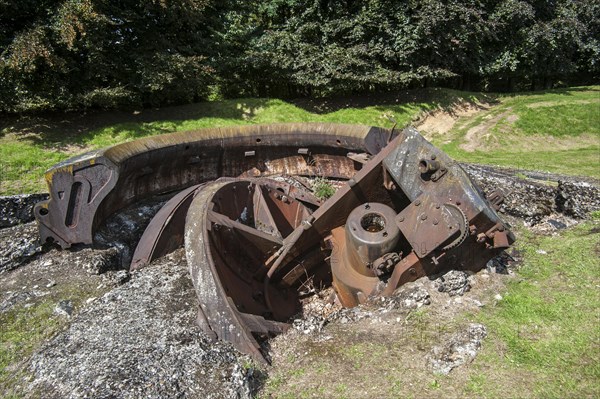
(64, 308)
(140, 340)
(577, 199)
(539, 195)
(18, 245)
(459, 349)
(18, 209)
(454, 282)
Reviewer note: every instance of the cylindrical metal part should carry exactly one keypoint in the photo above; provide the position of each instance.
(370, 233)
(428, 166)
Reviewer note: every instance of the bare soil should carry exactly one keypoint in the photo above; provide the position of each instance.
(441, 121)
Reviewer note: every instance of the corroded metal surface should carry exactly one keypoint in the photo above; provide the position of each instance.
(232, 229)
(86, 189)
(253, 244)
(164, 234)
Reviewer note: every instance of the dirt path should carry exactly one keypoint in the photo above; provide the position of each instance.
(441, 121)
(441, 124)
(478, 135)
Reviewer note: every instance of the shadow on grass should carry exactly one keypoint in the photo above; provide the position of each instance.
(565, 91)
(72, 131)
(61, 130)
(444, 99)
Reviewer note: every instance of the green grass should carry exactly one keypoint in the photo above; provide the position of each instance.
(556, 131)
(547, 324)
(21, 331)
(322, 188)
(25, 327)
(25, 157)
(31, 145)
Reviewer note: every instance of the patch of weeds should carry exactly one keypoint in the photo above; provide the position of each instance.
(299, 372)
(274, 383)
(420, 328)
(22, 330)
(341, 390)
(322, 188)
(320, 368)
(476, 384)
(291, 357)
(356, 354)
(435, 384)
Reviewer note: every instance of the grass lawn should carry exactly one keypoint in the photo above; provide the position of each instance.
(26, 151)
(556, 131)
(547, 324)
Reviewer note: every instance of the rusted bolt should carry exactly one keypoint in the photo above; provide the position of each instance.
(458, 203)
(401, 219)
(417, 202)
(437, 206)
(367, 206)
(423, 217)
(428, 166)
(412, 271)
(435, 222)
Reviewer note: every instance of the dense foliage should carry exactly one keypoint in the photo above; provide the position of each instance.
(61, 54)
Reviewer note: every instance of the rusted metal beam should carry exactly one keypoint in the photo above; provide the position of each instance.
(85, 190)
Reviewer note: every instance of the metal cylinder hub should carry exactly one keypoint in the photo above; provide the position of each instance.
(370, 233)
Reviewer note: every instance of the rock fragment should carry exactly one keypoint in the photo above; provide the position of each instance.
(577, 199)
(454, 282)
(64, 308)
(18, 245)
(412, 296)
(461, 348)
(538, 195)
(18, 209)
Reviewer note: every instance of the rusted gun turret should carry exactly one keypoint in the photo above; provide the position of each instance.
(255, 236)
